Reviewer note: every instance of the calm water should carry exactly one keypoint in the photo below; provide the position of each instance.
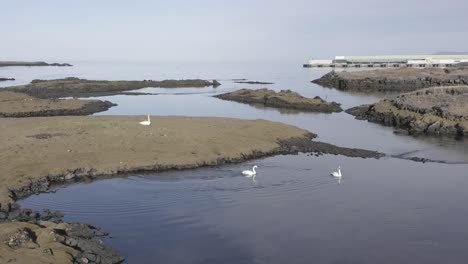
(384, 211)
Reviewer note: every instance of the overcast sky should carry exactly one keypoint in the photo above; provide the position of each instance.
(237, 30)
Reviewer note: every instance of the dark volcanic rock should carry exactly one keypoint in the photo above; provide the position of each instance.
(82, 237)
(439, 111)
(283, 99)
(85, 238)
(27, 215)
(75, 87)
(21, 237)
(7, 79)
(320, 148)
(394, 80)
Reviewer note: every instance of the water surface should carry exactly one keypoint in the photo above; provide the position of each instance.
(384, 211)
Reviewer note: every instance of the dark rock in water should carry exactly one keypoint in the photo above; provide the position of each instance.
(7, 79)
(320, 148)
(82, 237)
(85, 238)
(358, 111)
(27, 215)
(439, 111)
(75, 87)
(283, 99)
(216, 83)
(47, 215)
(3, 216)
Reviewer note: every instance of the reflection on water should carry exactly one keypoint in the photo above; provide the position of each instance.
(295, 212)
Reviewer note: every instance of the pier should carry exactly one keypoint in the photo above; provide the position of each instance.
(415, 61)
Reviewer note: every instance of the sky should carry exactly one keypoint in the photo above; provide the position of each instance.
(221, 31)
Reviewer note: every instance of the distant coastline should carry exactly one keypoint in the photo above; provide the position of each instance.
(31, 64)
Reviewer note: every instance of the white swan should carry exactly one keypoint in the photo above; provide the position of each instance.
(337, 174)
(146, 122)
(251, 173)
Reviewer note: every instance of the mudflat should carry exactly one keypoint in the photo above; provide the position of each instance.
(14, 104)
(434, 111)
(40, 148)
(394, 80)
(283, 99)
(75, 87)
(38, 152)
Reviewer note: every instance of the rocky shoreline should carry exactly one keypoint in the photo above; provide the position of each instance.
(75, 87)
(394, 80)
(33, 237)
(284, 99)
(6, 79)
(21, 105)
(289, 146)
(32, 64)
(440, 111)
(119, 147)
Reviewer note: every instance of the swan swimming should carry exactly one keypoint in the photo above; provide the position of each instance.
(146, 122)
(337, 174)
(251, 173)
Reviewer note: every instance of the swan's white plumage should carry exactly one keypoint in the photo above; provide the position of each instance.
(146, 122)
(250, 173)
(337, 174)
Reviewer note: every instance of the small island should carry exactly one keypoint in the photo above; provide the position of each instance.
(6, 79)
(75, 87)
(394, 80)
(78, 148)
(31, 64)
(283, 99)
(431, 111)
(253, 82)
(22, 105)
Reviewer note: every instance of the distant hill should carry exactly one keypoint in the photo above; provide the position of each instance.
(451, 53)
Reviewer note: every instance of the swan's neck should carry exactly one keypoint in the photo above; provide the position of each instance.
(253, 169)
(149, 119)
(339, 172)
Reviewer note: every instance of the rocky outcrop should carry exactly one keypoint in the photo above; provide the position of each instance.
(283, 99)
(394, 80)
(431, 111)
(42, 241)
(75, 87)
(31, 64)
(6, 79)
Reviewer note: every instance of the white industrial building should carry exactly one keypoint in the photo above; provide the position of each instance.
(390, 61)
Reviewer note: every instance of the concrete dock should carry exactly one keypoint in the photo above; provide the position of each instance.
(393, 61)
